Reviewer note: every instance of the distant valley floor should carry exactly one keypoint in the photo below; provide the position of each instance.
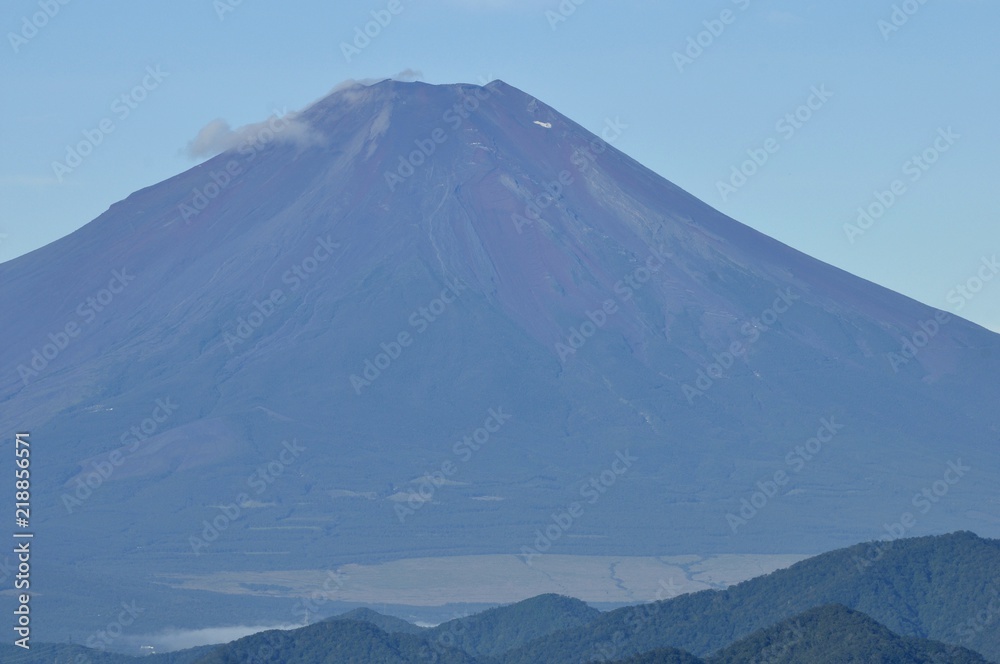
(498, 579)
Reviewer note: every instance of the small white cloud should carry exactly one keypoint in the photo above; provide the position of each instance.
(405, 76)
(411, 496)
(176, 639)
(409, 76)
(218, 136)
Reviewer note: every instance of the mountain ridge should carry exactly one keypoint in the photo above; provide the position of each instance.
(366, 262)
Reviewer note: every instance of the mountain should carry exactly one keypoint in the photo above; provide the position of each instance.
(419, 321)
(58, 654)
(834, 634)
(926, 586)
(496, 631)
(943, 588)
(825, 635)
(334, 642)
(387, 624)
(53, 653)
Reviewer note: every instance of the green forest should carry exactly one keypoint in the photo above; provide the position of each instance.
(932, 600)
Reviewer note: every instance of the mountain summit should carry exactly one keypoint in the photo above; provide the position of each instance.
(418, 320)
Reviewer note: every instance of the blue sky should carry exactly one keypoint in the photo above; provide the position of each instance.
(887, 81)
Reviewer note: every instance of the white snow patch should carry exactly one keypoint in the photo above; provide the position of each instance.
(402, 497)
(381, 123)
(547, 125)
(347, 493)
